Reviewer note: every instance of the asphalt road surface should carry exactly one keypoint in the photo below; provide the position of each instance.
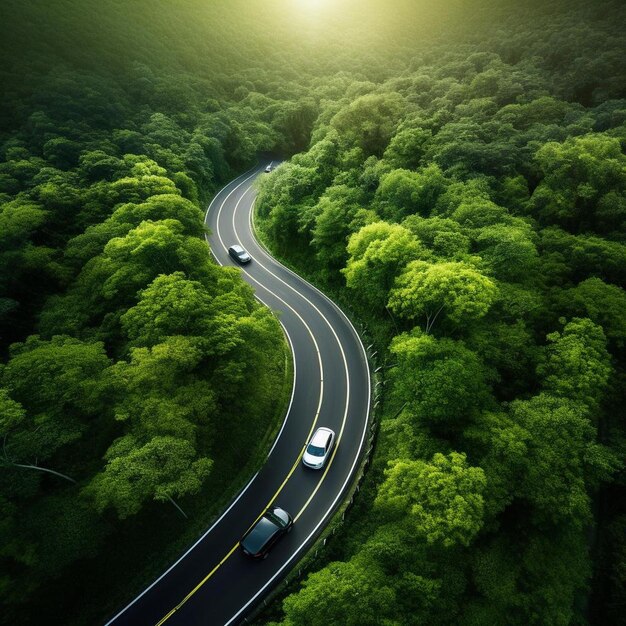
(214, 583)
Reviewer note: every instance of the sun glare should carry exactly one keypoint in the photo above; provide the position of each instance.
(312, 5)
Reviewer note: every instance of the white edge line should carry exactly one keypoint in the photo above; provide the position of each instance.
(293, 391)
(313, 308)
(287, 305)
(357, 456)
(322, 520)
(349, 476)
(321, 293)
(245, 488)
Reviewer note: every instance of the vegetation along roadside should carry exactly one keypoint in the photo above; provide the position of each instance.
(454, 171)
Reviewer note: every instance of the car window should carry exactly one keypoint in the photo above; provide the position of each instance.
(275, 519)
(315, 450)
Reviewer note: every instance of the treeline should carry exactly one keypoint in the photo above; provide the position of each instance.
(472, 211)
(460, 181)
(135, 372)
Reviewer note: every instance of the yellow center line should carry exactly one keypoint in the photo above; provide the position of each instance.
(163, 619)
(280, 488)
(319, 484)
(230, 552)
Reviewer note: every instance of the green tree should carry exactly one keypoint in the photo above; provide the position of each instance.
(338, 214)
(351, 593)
(162, 207)
(443, 236)
(171, 305)
(578, 174)
(577, 365)
(502, 445)
(443, 498)
(160, 470)
(509, 250)
(603, 303)
(508, 351)
(402, 192)
(57, 390)
(406, 148)
(97, 165)
(109, 283)
(293, 121)
(58, 379)
(162, 391)
(458, 290)
(440, 380)
(378, 252)
(574, 258)
(130, 215)
(369, 121)
(564, 461)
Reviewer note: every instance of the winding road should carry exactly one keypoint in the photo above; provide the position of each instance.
(213, 583)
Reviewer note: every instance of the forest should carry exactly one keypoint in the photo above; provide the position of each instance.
(454, 175)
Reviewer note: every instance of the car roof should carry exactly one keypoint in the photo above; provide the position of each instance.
(237, 248)
(321, 436)
(259, 535)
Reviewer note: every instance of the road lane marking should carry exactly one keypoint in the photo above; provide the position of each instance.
(298, 459)
(343, 422)
(317, 350)
(322, 316)
(306, 504)
(180, 604)
(363, 433)
(245, 488)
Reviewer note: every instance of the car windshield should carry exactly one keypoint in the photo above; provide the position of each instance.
(275, 519)
(315, 450)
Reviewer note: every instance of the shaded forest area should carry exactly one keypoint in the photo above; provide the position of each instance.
(459, 179)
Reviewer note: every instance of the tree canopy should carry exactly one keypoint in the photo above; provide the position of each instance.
(452, 173)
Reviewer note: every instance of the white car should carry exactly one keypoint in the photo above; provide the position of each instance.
(268, 169)
(319, 448)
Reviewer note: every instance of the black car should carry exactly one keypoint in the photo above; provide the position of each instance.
(239, 254)
(258, 541)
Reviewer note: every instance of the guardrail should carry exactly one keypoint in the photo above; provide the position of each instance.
(310, 560)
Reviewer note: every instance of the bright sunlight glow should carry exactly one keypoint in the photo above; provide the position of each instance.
(312, 5)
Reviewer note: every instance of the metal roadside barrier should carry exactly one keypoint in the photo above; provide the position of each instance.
(307, 563)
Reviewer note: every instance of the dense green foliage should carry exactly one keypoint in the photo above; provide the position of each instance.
(132, 363)
(457, 175)
(470, 209)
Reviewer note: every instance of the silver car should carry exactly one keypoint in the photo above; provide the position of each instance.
(319, 448)
(239, 254)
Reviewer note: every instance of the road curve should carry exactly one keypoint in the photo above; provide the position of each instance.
(213, 583)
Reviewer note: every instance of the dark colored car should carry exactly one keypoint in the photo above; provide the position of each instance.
(239, 254)
(258, 541)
